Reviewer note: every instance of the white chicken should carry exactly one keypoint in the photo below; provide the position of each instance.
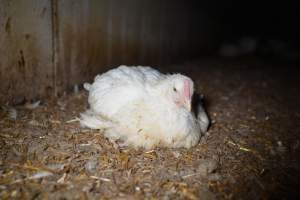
(144, 108)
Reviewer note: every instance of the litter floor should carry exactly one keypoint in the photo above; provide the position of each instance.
(251, 150)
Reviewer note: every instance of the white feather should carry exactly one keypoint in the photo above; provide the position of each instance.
(133, 104)
(202, 119)
(87, 86)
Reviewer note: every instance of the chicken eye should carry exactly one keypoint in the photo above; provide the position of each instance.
(174, 89)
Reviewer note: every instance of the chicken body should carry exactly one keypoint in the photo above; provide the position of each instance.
(144, 108)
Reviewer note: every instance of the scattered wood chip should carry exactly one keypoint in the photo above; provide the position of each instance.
(32, 106)
(55, 121)
(13, 113)
(239, 146)
(62, 179)
(73, 120)
(40, 174)
(100, 178)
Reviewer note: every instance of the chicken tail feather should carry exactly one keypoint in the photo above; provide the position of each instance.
(90, 120)
(87, 86)
(202, 118)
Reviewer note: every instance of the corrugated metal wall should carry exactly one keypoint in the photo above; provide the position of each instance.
(47, 46)
(25, 48)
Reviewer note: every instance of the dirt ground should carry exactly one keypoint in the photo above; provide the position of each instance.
(251, 150)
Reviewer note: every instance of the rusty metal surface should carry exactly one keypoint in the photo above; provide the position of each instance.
(48, 46)
(25, 49)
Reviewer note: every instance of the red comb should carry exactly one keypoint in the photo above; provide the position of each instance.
(186, 89)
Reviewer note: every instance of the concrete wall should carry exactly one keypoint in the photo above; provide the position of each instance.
(47, 46)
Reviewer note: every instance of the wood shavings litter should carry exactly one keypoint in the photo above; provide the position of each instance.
(32, 106)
